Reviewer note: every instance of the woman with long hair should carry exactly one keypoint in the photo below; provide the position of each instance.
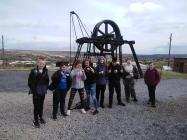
(101, 80)
(78, 76)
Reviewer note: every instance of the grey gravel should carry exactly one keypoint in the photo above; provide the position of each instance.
(135, 121)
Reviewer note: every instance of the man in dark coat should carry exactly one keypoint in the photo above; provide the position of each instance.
(38, 82)
(114, 75)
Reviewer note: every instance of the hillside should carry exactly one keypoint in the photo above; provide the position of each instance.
(56, 55)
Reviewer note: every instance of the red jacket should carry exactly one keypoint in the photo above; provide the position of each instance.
(152, 77)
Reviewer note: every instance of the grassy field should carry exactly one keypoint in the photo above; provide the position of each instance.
(164, 74)
(173, 75)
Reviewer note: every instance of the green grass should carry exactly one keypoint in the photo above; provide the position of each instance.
(173, 75)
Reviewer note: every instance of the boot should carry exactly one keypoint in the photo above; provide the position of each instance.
(36, 124)
(95, 112)
(121, 103)
(42, 121)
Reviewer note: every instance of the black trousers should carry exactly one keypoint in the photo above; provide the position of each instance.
(72, 95)
(114, 85)
(151, 90)
(100, 90)
(38, 101)
(59, 96)
(129, 88)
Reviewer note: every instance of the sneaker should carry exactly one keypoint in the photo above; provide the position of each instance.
(36, 124)
(95, 112)
(122, 104)
(42, 121)
(68, 112)
(54, 117)
(83, 111)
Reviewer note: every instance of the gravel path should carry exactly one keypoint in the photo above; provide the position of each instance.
(136, 121)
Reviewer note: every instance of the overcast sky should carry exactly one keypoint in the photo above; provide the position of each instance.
(44, 24)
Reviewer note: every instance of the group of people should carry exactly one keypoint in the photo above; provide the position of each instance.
(87, 80)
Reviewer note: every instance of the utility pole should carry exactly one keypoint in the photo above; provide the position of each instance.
(3, 52)
(170, 39)
(70, 40)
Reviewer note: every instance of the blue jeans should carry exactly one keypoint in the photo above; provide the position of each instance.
(91, 91)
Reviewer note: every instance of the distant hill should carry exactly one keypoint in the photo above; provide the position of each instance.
(160, 56)
(58, 55)
(37, 53)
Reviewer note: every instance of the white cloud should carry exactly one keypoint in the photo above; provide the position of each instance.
(139, 7)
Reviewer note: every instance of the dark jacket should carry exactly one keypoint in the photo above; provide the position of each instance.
(135, 73)
(152, 77)
(101, 78)
(90, 76)
(38, 82)
(112, 76)
(56, 77)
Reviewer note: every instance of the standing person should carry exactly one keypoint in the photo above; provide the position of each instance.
(90, 85)
(152, 78)
(130, 73)
(61, 82)
(38, 82)
(78, 76)
(101, 80)
(114, 74)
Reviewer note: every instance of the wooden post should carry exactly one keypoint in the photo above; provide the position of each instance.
(3, 52)
(170, 39)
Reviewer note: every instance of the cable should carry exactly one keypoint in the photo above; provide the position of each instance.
(74, 27)
(80, 26)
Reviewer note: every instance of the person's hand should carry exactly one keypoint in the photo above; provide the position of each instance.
(82, 70)
(62, 73)
(92, 69)
(115, 71)
(101, 72)
(131, 74)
